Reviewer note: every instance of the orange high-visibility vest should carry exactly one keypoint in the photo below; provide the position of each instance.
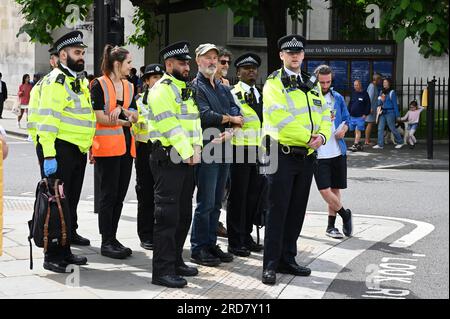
(110, 140)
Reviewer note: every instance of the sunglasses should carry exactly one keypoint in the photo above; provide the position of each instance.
(223, 62)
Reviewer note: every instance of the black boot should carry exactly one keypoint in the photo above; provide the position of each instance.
(110, 249)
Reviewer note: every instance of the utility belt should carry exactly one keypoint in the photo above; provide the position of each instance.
(297, 151)
(162, 154)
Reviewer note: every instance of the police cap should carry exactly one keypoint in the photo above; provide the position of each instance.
(177, 50)
(248, 59)
(292, 43)
(71, 39)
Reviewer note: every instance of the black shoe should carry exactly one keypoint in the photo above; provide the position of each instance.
(186, 271)
(269, 277)
(79, 240)
(334, 233)
(112, 251)
(76, 260)
(171, 281)
(252, 246)
(205, 258)
(293, 269)
(59, 267)
(239, 251)
(147, 244)
(347, 224)
(120, 246)
(223, 256)
(221, 230)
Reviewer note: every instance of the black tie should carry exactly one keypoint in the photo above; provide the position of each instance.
(252, 96)
(299, 79)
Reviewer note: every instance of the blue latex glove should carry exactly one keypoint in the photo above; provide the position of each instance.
(50, 166)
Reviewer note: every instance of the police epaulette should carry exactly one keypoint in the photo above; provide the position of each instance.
(167, 81)
(274, 74)
(60, 78)
(239, 95)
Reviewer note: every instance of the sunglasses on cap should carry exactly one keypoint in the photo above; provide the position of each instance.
(223, 62)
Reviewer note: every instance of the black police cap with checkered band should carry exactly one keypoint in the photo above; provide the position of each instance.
(71, 39)
(153, 69)
(247, 59)
(292, 43)
(177, 50)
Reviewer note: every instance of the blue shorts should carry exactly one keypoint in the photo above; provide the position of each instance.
(357, 122)
(413, 126)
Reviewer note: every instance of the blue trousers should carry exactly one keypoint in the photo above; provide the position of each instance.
(388, 118)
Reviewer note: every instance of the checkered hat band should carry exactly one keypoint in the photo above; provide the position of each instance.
(175, 52)
(69, 42)
(248, 60)
(294, 43)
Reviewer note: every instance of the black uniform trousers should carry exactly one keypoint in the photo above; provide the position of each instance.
(174, 188)
(113, 174)
(71, 169)
(144, 192)
(246, 187)
(289, 190)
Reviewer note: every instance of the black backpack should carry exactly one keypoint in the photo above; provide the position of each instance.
(50, 220)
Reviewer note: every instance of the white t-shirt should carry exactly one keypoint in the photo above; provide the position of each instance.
(331, 149)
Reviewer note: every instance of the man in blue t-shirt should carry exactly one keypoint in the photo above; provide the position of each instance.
(359, 108)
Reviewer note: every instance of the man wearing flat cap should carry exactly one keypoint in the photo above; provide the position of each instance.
(297, 121)
(144, 177)
(176, 136)
(246, 182)
(219, 116)
(65, 126)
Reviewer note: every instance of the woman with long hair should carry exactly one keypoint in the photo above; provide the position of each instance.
(113, 148)
(388, 113)
(24, 97)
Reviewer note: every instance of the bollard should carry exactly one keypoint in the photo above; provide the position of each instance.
(430, 117)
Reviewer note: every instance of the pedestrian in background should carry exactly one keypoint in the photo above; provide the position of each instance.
(24, 97)
(3, 94)
(359, 108)
(373, 91)
(330, 170)
(412, 119)
(113, 148)
(388, 113)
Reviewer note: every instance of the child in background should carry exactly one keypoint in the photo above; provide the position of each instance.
(412, 119)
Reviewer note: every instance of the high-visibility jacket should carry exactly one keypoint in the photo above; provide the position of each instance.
(250, 133)
(33, 116)
(140, 128)
(64, 114)
(110, 140)
(174, 119)
(290, 115)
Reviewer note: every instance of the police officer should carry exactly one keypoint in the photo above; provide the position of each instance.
(246, 182)
(144, 177)
(298, 122)
(176, 149)
(65, 129)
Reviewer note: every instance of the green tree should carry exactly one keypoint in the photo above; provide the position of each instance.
(43, 16)
(424, 21)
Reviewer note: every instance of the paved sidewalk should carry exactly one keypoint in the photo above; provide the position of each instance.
(131, 278)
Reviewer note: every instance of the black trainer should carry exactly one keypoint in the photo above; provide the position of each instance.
(186, 271)
(109, 249)
(347, 224)
(59, 267)
(79, 240)
(76, 260)
(223, 256)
